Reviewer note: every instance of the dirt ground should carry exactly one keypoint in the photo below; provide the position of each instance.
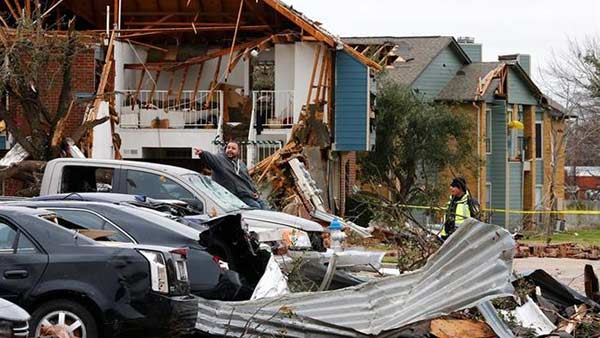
(568, 271)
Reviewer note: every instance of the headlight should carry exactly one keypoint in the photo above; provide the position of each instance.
(158, 270)
(295, 238)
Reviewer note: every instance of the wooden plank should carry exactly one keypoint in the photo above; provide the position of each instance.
(138, 88)
(450, 328)
(197, 84)
(11, 10)
(330, 90)
(163, 19)
(19, 8)
(237, 24)
(321, 76)
(182, 84)
(312, 76)
(147, 45)
(300, 22)
(151, 96)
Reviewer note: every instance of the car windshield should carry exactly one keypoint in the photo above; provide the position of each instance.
(228, 201)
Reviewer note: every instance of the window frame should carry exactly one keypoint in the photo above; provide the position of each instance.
(488, 195)
(182, 186)
(541, 137)
(15, 245)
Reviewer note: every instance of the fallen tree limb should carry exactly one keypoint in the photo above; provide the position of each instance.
(87, 126)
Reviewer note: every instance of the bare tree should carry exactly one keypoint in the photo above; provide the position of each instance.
(573, 78)
(33, 61)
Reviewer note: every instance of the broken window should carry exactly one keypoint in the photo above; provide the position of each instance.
(85, 220)
(87, 179)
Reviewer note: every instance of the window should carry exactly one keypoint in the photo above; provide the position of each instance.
(85, 220)
(538, 140)
(87, 179)
(155, 186)
(488, 131)
(488, 195)
(12, 241)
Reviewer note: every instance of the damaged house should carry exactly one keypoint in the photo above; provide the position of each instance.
(517, 127)
(197, 73)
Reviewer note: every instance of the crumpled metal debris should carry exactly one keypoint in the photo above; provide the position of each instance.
(272, 283)
(530, 316)
(472, 266)
(15, 155)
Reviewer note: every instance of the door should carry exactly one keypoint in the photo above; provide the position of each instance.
(22, 263)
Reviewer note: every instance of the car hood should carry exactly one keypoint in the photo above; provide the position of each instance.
(274, 219)
(12, 312)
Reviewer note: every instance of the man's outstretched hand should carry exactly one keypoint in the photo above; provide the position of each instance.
(197, 151)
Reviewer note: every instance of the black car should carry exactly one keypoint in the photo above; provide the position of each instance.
(223, 263)
(63, 277)
(13, 320)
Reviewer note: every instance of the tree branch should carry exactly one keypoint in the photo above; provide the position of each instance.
(85, 127)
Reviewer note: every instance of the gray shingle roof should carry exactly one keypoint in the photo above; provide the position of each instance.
(415, 52)
(463, 87)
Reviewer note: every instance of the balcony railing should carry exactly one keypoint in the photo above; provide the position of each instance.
(161, 109)
(252, 152)
(273, 108)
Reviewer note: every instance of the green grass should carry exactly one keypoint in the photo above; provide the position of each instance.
(585, 237)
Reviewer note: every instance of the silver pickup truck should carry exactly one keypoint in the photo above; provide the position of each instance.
(158, 181)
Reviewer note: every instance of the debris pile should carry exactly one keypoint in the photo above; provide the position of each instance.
(563, 250)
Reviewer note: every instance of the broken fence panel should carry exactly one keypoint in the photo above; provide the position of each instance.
(473, 266)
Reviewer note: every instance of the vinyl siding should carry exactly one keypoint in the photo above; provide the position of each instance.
(351, 103)
(515, 194)
(518, 91)
(438, 74)
(497, 161)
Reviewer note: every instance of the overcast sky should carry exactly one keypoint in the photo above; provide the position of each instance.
(536, 27)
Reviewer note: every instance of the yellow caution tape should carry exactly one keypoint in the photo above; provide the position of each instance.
(509, 211)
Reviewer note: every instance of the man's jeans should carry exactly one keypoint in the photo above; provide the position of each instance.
(256, 204)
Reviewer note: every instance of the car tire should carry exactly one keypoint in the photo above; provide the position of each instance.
(71, 312)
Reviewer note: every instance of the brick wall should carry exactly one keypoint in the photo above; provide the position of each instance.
(82, 80)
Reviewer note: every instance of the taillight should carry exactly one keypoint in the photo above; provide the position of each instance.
(222, 265)
(181, 251)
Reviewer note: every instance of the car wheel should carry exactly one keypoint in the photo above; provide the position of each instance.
(78, 321)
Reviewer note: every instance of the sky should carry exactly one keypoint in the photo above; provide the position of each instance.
(541, 28)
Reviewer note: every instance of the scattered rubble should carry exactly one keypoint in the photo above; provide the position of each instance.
(563, 250)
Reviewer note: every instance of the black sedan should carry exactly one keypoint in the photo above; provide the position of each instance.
(63, 277)
(223, 263)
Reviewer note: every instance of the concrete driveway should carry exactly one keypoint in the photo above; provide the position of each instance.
(567, 270)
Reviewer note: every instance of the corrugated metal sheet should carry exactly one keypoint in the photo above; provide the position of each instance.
(472, 267)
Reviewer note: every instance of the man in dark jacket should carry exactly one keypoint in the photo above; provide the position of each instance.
(230, 172)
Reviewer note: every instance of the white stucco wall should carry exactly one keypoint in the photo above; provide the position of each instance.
(134, 140)
(304, 57)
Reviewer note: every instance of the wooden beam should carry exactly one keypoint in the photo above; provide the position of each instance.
(235, 32)
(321, 76)
(147, 45)
(151, 96)
(217, 28)
(197, 84)
(19, 8)
(138, 88)
(221, 52)
(163, 19)
(258, 13)
(161, 23)
(115, 13)
(312, 76)
(300, 22)
(11, 10)
(182, 84)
